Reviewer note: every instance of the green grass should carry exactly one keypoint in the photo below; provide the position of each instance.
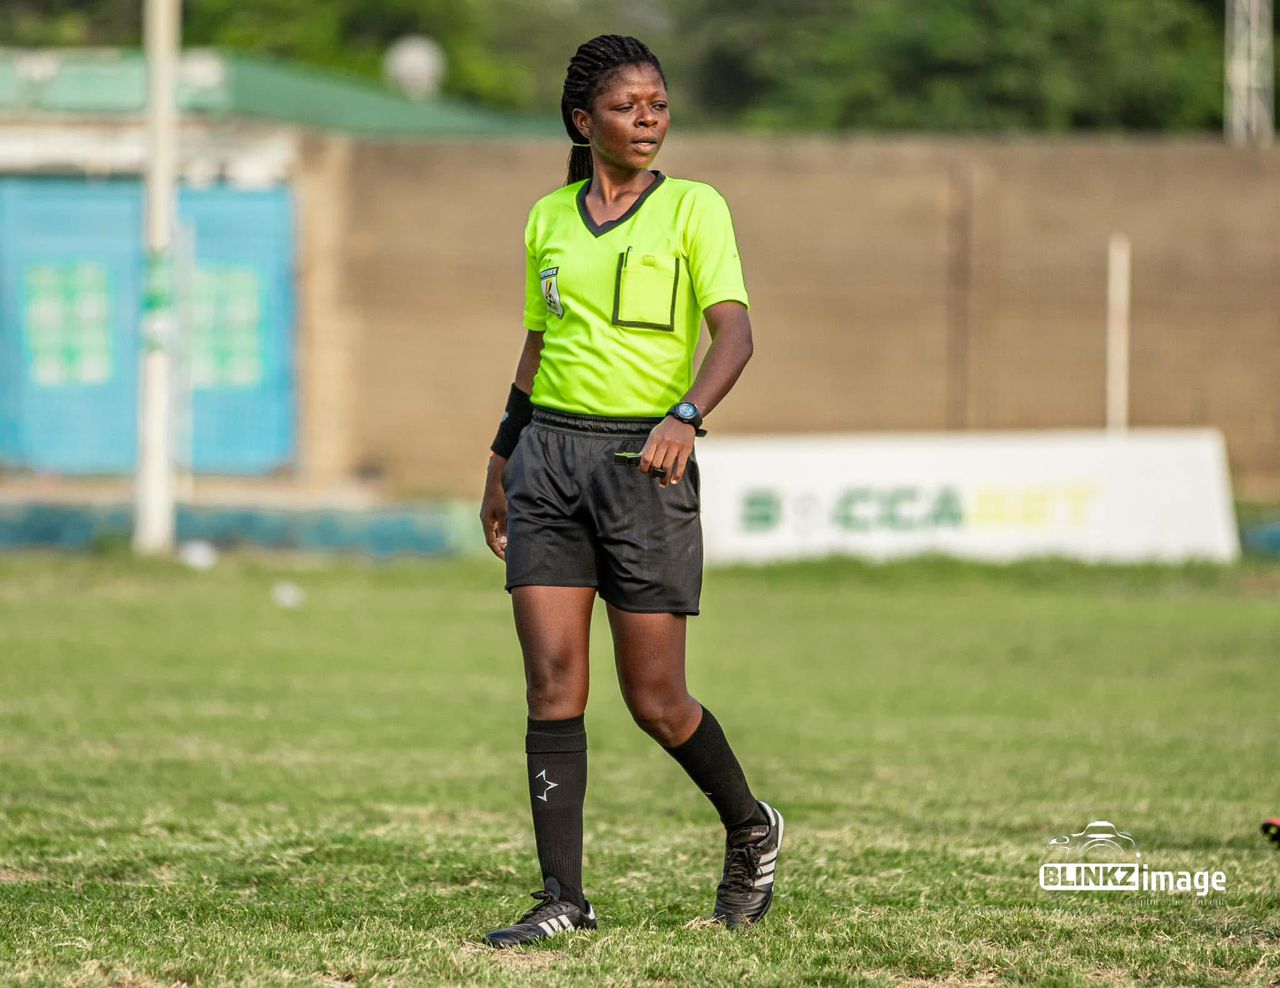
(197, 786)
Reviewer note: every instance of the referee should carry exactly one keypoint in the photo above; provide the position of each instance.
(593, 484)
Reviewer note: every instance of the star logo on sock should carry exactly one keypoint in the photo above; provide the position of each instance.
(549, 784)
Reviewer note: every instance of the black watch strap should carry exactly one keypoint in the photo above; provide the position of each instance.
(688, 413)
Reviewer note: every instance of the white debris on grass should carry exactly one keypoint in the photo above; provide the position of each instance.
(198, 555)
(288, 594)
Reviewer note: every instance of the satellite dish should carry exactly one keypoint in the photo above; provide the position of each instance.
(414, 66)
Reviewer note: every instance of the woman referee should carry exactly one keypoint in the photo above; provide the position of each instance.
(593, 486)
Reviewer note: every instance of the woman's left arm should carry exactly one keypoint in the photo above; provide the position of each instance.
(671, 442)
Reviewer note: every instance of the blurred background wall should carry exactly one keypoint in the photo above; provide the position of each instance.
(897, 284)
(351, 261)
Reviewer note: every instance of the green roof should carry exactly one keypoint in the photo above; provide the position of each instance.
(110, 82)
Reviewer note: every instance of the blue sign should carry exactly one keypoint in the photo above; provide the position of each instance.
(71, 280)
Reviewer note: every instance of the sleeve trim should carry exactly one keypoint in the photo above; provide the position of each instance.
(729, 295)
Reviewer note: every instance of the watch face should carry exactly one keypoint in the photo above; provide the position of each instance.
(686, 410)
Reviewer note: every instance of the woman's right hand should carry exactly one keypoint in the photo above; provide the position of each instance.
(493, 508)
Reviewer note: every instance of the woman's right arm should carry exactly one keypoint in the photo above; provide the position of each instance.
(493, 505)
(530, 358)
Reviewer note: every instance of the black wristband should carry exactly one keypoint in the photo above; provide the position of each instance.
(518, 414)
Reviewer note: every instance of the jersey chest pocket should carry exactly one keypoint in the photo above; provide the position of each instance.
(644, 294)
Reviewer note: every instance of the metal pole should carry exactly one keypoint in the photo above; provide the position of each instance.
(1118, 280)
(154, 513)
(1249, 114)
(1264, 74)
(959, 297)
(1235, 71)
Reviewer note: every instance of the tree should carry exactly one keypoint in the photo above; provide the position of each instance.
(962, 65)
(972, 65)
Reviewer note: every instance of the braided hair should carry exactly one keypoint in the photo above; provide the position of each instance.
(591, 65)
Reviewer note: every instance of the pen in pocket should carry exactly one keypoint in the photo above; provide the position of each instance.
(622, 456)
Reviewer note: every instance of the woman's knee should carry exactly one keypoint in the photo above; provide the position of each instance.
(555, 690)
(556, 704)
(665, 716)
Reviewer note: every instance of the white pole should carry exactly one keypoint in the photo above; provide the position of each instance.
(1118, 280)
(1264, 74)
(1249, 74)
(154, 514)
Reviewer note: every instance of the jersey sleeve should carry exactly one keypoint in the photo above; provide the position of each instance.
(535, 306)
(712, 249)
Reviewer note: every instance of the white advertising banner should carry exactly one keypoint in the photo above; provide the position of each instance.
(1147, 494)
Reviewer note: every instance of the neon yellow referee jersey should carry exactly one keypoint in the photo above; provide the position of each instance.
(621, 302)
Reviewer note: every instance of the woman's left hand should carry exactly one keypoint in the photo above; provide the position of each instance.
(669, 446)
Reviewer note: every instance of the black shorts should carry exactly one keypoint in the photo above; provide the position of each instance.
(580, 517)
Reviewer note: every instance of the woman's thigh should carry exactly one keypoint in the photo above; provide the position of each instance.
(554, 628)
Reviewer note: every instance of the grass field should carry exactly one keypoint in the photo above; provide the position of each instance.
(198, 786)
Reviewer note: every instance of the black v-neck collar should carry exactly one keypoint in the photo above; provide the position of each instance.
(598, 229)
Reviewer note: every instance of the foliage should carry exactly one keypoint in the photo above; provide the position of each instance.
(980, 65)
(988, 65)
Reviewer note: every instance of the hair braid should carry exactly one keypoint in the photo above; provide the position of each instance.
(590, 66)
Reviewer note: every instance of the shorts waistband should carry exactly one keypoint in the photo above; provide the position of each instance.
(601, 425)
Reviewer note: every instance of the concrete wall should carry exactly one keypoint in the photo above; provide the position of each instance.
(896, 285)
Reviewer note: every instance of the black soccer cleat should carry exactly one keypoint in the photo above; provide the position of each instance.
(552, 915)
(750, 859)
(1272, 830)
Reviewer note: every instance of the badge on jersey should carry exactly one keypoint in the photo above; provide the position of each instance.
(551, 291)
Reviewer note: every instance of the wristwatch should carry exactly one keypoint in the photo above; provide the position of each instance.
(686, 412)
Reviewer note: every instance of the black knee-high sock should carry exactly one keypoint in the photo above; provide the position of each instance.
(557, 756)
(711, 764)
